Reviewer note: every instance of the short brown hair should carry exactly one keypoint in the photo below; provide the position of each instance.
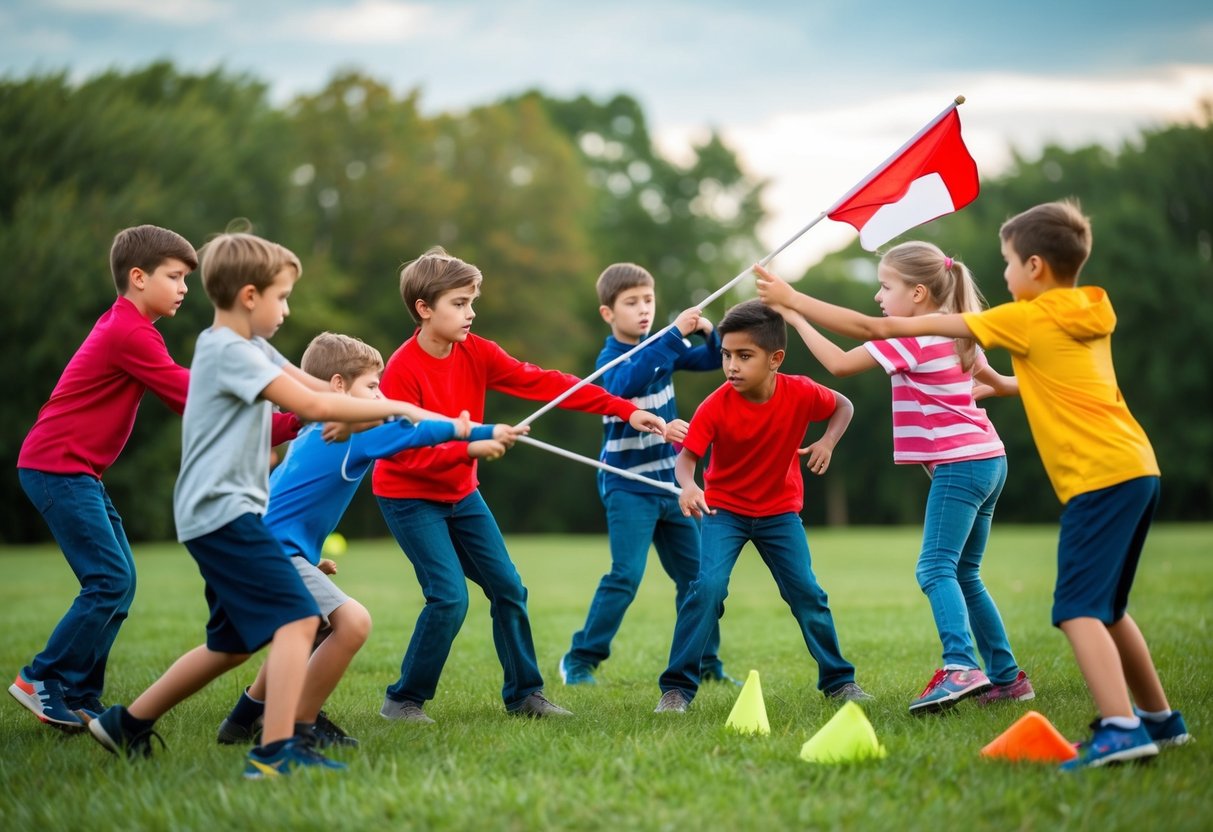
(764, 324)
(234, 260)
(618, 278)
(432, 275)
(146, 247)
(331, 354)
(1057, 232)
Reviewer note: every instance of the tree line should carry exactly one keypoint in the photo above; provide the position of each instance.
(541, 193)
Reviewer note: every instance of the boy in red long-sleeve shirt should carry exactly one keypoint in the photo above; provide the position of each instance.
(429, 496)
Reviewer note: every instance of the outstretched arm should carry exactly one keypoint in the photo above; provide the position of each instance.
(836, 360)
(848, 322)
(990, 382)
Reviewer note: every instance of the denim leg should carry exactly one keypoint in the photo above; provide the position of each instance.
(723, 535)
(677, 541)
(781, 542)
(421, 528)
(631, 520)
(89, 531)
(485, 562)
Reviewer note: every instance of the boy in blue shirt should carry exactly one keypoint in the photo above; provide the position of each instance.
(309, 493)
(638, 514)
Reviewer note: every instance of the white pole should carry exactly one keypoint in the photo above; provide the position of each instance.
(673, 489)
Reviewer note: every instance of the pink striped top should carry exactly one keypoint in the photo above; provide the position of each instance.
(934, 416)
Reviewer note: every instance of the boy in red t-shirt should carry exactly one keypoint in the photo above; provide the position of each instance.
(429, 496)
(754, 424)
(78, 434)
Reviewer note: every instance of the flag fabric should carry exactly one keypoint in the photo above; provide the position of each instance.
(933, 176)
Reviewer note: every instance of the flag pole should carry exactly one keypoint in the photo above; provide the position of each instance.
(673, 489)
(764, 261)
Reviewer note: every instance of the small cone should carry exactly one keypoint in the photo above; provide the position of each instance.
(1031, 737)
(749, 714)
(847, 737)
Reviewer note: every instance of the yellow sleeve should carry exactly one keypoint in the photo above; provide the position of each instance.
(1006, 326)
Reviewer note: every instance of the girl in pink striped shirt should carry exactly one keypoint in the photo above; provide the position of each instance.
(937, 423)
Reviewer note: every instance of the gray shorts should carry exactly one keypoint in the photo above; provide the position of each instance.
(327, 594)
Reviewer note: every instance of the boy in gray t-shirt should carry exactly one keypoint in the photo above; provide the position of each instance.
(220, 498)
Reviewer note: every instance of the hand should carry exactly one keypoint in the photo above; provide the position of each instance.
(982, 391)
(508, 434)
(819, 454)
(705, 326)
(463, 425)
(336, 431)
(688, 321)
(327, 566)
(645, 422)
(693, 502)
(486, 449)
(676, 430)
(771, 289)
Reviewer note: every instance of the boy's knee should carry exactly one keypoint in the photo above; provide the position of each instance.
(352, 623)
(452, 609)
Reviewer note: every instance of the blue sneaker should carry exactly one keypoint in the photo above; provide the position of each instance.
(575, 673)
(45, 700)
(297, 752)
(947, 687)
(111, 730)
(717, 674)
(88, 709)
(1171, 731)
(1109, 744)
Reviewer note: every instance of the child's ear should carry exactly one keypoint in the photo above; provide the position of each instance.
(247, 296)
(337, 383)
(776, 359)
(137, 279)
(607, 313)
(423, 309)
(919, 293)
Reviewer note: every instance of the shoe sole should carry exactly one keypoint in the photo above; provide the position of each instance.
(1138, 754)
(937, 705)
(34, 706)
(102, 736)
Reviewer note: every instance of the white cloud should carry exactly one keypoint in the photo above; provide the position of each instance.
(171, 11)
(369, 22)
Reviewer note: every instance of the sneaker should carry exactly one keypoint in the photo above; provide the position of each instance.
(537, 705)
(1170, 731)
(1109, 744)
(88, 709)
(405, 711)
(45, 701)
(329, 735)
(232, 732)
(947, 687)
(574, 673)
(297, 752)
(717, 674)
(850, 692)
(110, 729)
(1018, 691)
(672, 702)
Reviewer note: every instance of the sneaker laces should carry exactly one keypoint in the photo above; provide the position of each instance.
(936, 681)
(141, 743)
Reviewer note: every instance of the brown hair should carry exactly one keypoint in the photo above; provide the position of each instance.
(618, 278)
(331, 354)
(432, 275)
(146, 247)
(235, 260)
(948, 281)
(764, 324)
(1057, 232)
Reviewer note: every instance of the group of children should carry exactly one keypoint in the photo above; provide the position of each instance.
(418, 420)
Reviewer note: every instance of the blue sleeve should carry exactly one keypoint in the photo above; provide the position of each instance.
(393, 437)
(481, 432)
(702, 358)
(631, 378)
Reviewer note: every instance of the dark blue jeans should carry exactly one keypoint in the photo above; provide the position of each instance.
(634, 521)
(89, 530)
(780, 541)
(449, 544)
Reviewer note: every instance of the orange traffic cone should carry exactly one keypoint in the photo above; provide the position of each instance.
(1031, 737)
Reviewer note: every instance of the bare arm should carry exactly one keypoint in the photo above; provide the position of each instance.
(996, 383)
(838, 362)
(317, 406)
(848, 322)
(820, 453)
(692, 500)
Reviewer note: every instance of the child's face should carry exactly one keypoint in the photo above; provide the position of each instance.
(269, 308)
(1018, 274)
(895, 296)
(631, 317)
(163, 291)
(365, 386)
(450, 318)
(747, 366)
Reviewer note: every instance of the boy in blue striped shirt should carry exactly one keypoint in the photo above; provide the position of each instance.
(638, 514)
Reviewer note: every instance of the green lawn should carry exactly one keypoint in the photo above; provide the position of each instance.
(617, 765)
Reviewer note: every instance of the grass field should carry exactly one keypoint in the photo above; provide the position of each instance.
(617, 765)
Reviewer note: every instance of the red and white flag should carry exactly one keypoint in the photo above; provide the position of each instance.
(932, 176)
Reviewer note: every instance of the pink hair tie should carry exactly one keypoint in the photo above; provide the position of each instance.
(947, 263)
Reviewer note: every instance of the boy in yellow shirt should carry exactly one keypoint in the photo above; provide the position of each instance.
(1098, 458)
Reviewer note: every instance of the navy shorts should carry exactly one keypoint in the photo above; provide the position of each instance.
(252, 588)
(1102, 535)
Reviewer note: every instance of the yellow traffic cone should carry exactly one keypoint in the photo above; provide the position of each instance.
(1031, 737)
(749, 715)
(847, 737)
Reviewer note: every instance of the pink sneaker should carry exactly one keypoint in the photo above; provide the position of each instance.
(947, 687)
(1018, 691)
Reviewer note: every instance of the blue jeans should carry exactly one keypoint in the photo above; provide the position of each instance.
(633, 522)
(781, 543)
(448, 544)
(960, 507)
(89, 530)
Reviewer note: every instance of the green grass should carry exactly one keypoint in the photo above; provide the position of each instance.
(617, 765)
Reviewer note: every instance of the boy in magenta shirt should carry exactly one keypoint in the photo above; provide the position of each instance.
(78, 434)
(754, 424)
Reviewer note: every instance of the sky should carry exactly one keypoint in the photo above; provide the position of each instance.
(810, 94)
